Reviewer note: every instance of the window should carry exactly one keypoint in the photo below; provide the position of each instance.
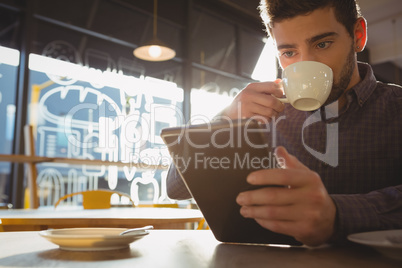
(211, 93)
(216, 48)
(9, 61)
(266, 67)
(85, 113)
(89, 97)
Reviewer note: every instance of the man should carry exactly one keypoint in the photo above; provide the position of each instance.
(324, 201)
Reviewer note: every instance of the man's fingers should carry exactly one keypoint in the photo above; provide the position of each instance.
(287, 160)
(282, 177)
(266, 196)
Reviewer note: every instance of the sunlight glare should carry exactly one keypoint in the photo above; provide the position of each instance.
(265, 69)
(205, 105)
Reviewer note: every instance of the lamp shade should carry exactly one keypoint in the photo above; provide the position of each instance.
(154, 50)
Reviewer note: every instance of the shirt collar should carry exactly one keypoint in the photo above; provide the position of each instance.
(366, 86)
(362, 90)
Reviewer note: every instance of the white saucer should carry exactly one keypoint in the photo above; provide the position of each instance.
(379, 241)
(91, 239)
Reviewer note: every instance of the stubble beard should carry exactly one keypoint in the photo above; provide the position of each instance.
(339, 87)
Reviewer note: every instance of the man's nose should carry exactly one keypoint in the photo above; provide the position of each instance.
(308, 57)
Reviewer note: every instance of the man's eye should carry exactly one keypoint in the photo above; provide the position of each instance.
(323, 44)
(288, 54)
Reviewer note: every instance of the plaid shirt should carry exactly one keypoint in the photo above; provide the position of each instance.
(357, 152)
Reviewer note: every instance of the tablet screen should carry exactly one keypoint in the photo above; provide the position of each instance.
(214, 160)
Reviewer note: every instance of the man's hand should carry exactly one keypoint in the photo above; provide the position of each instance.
(302, 209)
(256, 100)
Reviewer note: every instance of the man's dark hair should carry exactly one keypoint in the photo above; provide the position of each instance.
(346, 11)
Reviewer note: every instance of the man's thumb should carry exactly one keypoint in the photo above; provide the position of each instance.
(286, 160)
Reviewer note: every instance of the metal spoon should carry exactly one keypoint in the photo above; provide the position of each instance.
(396, 239)
(137, 230)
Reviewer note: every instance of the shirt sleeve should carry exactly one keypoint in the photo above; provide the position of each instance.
(377, 210)
(176, 189)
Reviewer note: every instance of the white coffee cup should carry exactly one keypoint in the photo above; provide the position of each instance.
(306, 84)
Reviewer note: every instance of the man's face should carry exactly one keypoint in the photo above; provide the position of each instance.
(318, 36)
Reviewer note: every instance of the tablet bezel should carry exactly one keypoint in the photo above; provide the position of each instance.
(215, 189)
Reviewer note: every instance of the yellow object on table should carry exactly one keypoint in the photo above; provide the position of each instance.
(95, 199)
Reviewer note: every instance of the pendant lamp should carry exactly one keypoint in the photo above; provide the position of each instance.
(154, 50)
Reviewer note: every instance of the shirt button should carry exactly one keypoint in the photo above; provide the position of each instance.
(320, 164)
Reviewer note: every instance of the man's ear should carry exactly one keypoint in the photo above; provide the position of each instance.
(360, 32)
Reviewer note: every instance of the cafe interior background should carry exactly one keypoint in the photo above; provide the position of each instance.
(67, 69)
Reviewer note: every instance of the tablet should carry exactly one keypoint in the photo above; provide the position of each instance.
(214, 159)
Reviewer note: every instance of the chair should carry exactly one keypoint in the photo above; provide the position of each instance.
(32, 193)
(158, 205)
(95, 199)
(4, 206)
(202, 225)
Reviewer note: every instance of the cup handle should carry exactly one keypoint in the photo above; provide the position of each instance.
(285, 99)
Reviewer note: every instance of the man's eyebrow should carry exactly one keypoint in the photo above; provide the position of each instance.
(285, 46)
(309, 40)
(320, 36)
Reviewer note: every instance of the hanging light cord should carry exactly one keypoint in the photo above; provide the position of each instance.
(155, 17)
(397, 81)
(154, 50)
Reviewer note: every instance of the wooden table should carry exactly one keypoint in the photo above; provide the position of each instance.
(182, 248)
(41, 219)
